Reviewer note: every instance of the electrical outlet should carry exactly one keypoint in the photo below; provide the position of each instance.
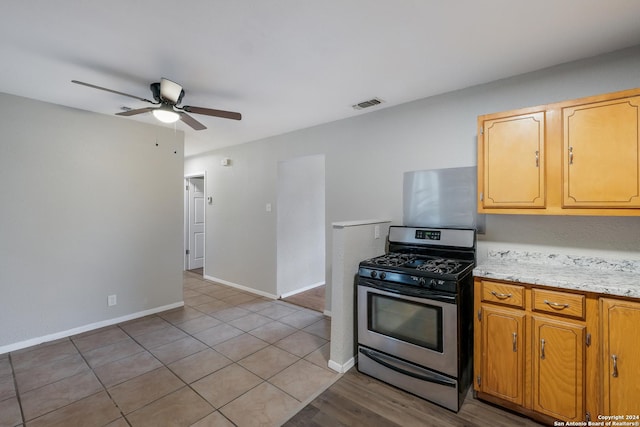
(112, 300)
(376, 232)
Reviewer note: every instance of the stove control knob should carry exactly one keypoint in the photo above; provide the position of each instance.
(432, 283)
(422, 281)
(383, 275)
(374, 274)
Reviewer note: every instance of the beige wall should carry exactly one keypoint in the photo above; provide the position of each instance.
(90, 207)
(367, 155)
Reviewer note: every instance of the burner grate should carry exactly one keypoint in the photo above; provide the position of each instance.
(440, 266)
(393, 259)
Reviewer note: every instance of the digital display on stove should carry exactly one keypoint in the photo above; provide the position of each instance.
(427, 235)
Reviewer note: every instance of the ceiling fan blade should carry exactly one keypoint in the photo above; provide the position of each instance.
(212, 112)
(112, 91)
(170, 90)
(134, 112)
(196, 125)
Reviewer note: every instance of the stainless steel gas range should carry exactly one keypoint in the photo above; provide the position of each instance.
(415, 303)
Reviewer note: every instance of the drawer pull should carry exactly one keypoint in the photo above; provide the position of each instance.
(542, 342)
(500, 296)
(615, 365)
(556, 305)
(515, 342)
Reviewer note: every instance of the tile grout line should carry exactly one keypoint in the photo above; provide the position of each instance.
(185, 384)
(175, 324)
(104, 387)
(189, 385)
(163, 366)
(263, 380)
(310, 399)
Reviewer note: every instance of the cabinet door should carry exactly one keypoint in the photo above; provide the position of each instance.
(513, 162)
(602, 154)
(621, 356)
(558, 369)
(503, 353)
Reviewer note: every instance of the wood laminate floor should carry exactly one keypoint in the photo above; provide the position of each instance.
(359, 400)
(313, 299)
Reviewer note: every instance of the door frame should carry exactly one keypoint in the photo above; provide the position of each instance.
(187, 235)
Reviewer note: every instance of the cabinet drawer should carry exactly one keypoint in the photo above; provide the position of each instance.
(502, 293)
(561, 303)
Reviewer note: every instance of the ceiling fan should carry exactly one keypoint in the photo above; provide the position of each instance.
(167, 96)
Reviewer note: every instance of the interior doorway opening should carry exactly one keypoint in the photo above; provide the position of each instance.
(194, 225)
(301, 229)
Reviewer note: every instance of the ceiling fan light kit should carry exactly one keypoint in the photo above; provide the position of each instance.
(168, 95)
(166, 115)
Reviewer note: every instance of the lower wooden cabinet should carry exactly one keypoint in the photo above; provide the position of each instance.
(556, 355)
(503, 353)
(620, 356)
(558, 358)
(531, 349)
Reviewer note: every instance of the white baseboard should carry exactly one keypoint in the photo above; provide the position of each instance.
(86, 328)
(327, 313)
(342, 368)
(241, 287)
(306, 288)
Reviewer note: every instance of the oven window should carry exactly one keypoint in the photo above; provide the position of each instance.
(419, 324)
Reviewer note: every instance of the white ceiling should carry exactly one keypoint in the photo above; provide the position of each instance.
(290, 64)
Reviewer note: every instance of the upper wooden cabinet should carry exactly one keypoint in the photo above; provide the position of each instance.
(601, 142)
(579, 157)
(513, 154)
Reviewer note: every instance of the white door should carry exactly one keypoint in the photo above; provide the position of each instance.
(196, 223)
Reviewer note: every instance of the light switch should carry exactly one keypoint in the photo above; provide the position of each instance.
(376, 232)
(268, 207)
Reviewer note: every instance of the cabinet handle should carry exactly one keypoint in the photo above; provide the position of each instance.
(500, 296)
(515, 342)
(615, 365)
(556, 304)
(542, 342)
(570, 155)
(537, 159)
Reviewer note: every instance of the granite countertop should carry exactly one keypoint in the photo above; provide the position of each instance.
(588, 274)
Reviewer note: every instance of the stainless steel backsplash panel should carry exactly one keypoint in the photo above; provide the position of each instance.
(442, 198)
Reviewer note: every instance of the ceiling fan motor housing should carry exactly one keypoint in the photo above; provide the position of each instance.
(156, 91)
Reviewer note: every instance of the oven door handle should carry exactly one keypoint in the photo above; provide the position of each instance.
(426, 376)
(411, 291)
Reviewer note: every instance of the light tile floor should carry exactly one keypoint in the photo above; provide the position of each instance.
(226, 358)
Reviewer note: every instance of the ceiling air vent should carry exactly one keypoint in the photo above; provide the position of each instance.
(366, 104)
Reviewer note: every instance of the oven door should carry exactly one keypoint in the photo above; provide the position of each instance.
(414, 328)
